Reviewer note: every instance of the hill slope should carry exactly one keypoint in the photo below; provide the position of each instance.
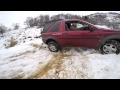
(111, 20)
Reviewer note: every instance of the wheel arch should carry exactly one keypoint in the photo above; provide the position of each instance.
(113, 37)
(52, 39)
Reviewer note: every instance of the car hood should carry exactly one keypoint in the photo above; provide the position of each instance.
(110, 30)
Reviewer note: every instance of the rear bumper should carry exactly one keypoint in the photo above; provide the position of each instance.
(44, 40)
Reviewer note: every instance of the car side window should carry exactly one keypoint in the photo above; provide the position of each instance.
(47, 26)
(76, 25)
(56, 27)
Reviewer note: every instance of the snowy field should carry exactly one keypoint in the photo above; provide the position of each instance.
(29, 58)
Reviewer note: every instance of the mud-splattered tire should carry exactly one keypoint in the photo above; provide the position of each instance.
(110, 47)
(53, 46)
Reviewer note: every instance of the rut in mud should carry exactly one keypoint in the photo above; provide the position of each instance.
(56, 67)
(55, 62)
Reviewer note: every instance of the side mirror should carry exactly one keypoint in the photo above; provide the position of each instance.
(88, 28)
(91, 29)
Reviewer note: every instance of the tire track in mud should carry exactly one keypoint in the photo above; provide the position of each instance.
(57, 63)
(54, 63)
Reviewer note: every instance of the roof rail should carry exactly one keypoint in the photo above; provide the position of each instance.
(54, 20)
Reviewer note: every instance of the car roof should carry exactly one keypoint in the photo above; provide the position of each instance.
(71, 19)
(65, 20)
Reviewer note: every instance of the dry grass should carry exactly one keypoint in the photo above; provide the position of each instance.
(12, 42)
(19, 77)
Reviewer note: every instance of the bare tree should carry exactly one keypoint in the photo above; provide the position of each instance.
(16, 26)
(29, 22)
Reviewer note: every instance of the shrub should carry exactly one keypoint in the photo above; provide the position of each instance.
(3, 29)
(11, 43)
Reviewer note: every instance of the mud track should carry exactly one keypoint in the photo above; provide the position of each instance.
(55, 63)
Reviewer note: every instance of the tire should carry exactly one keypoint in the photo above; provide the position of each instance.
(110, 47)
(53, 46)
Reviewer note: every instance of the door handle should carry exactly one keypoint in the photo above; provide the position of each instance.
(65, 33)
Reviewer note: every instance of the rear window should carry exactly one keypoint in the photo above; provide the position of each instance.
(55, 28)
(47, 26)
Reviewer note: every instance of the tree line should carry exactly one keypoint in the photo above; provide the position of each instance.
(42, 19)
(96, 20)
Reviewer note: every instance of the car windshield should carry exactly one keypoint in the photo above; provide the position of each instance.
(99, 26)
(90, 23)
(102, 27)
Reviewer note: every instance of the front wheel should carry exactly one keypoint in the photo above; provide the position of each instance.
(53, 46)
(111, 47)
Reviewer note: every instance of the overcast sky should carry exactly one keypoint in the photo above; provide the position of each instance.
(7, 18)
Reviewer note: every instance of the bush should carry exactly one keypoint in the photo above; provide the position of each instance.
(11, 43)
(3, 29)
(37, 21)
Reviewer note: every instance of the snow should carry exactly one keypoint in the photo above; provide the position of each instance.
(30, 58)
(105, 66)
(112, 17)
(21, 60)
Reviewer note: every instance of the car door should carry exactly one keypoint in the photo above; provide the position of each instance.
(81, 36)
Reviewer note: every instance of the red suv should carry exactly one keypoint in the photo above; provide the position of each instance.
(79, 33)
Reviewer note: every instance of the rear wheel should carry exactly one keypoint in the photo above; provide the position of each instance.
(53, 46)
(111, 47)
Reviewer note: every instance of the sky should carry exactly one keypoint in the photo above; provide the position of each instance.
(7, 18)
